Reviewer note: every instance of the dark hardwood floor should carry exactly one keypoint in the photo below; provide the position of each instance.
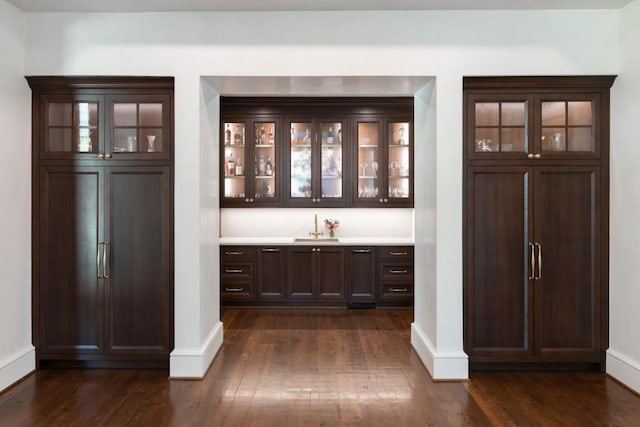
(322, 367)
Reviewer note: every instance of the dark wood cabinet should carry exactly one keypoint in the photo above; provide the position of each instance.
(361, 275)
(315, 273)
(103, 224)
(328, 152)
(536, 222)
(324, 275)
(395, 276)
(271, 273)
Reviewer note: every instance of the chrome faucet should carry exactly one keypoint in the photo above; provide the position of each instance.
(316, 233)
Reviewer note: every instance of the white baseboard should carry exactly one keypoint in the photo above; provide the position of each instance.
(441, 366)
(17, 366)
(623, 369)
(194, 363)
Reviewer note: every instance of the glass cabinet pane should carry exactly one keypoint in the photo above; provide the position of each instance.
(368, 160)
(265, 159)
(72, 127)
(567, 126)
(331, 159)
(399, 160)
(301, 149)
(234, 160)
(500, 127)
(137, 127)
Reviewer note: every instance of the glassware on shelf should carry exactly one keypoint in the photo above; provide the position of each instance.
(263, 136)
(132, 144)
(237, 136)
(363, 166)
(239, 169)
(402, 140)
(151, 143)
(307, 137)
(227, 135)
(271, 136)
(330, 135)
(294, 139)
(374, 168)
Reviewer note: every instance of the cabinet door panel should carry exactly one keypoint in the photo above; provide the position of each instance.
(70, 294)
(567, 294)
(361, 274)
(271, 273)
(498, 297)
(300, 273)
(140, 256)
(330, 273)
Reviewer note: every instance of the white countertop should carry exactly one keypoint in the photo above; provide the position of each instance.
(342, 241)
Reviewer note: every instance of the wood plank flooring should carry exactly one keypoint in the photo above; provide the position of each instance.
(316, 367)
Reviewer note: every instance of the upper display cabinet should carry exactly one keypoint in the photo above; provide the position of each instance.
(557, 118)
(95, 120)
(316, 152)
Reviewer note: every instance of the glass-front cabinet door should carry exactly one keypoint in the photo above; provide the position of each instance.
(250, 162)
(71, 126)
(139, 127)
(568, 126)
(316, 162)
(384, 162)
(553, 126)
(399, 162)
(499, 126)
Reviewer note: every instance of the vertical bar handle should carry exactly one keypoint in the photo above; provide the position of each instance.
(106, 254)
(539, 260)
(98, 257)
(532, 266)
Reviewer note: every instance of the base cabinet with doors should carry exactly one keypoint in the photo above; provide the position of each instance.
(103, 223)
(322, 275)
(536, 222)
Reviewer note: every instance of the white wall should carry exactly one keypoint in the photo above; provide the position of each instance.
(623, 357)
(444, 44)
(16, 351)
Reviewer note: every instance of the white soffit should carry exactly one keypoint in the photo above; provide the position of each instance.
(302, 5)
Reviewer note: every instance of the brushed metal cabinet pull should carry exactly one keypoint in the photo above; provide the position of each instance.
(532, 262)
(398, 253)
(98, 258)
(398, 271)
(270, 250)
(233, 270)
(539, 260)
(234, 253)
(362, 251)
(106, 255)
(234, 289)
(398, 289)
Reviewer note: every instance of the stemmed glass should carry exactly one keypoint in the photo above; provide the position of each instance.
(364, 169)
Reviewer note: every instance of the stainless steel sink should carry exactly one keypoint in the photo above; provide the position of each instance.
(314, 239)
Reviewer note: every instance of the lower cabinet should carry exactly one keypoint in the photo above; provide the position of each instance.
(316, 275)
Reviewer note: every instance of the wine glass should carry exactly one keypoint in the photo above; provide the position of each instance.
(364, 169)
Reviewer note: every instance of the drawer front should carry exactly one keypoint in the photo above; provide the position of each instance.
(236, 271)
(237, 253)
(396, 271)
(397, 290)
(232, 290)
(404, 253)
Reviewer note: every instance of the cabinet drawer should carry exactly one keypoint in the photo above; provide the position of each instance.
(396, 271)
(236, 271)
(396, 252)
(237, 253)
(232, 290)
(397, 290)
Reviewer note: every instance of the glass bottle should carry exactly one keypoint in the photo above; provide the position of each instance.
(330, 136)
(231, 165)
(237, 136)
(340, 135)
(307, 137)
(269, 167)
(261, 166)
(294, 140)
(227, 135)
(263, 135)
(238, 168)
(271, 136)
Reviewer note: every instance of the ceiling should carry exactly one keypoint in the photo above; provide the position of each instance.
(300, 5)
